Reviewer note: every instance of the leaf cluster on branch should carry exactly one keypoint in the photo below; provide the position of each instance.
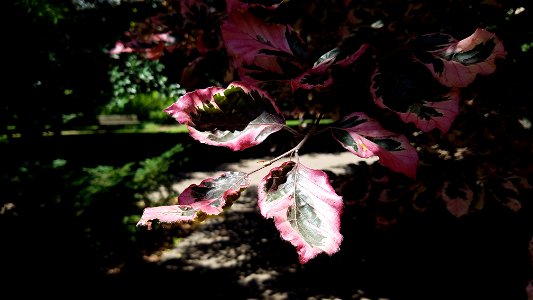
(268, 69)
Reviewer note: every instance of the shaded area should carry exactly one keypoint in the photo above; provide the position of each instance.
(240, 255)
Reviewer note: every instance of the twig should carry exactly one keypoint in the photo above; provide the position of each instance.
(293, 150)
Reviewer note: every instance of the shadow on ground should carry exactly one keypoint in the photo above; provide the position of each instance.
(240, 255)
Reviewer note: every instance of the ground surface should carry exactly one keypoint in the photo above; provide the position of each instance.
(240, 255)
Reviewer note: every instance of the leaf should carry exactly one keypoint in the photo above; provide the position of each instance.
(305, 208)
(365, 138)
(167, 214)
(210, 197)
(262, 51)
(237, 117)
(457, 63)
(457, 197)
(319, 76)
(407, 88)
(529, 290)
(151, 46)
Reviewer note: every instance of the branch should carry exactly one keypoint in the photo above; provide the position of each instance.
(293, 150)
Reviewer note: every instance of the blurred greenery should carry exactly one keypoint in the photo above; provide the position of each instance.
(60, 73)
(141, 88)
(103, 203)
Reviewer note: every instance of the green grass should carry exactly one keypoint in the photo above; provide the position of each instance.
(144, 128)
(157, 128)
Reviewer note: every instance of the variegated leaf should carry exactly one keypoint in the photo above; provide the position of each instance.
(167, 214)
(305, 208)
(261, 51)
(212, 195)
(365, 137)
(457, 63)
(237, 117)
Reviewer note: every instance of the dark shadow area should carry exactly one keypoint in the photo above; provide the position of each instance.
(241, 256)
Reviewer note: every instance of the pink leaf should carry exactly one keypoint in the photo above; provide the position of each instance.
(167, 214)
(151, 46)
(457, 63)
(457, 198)
(262, 51)
(212, 195)
(238, 117)
(365, 138)
(305, 208)
(245, 36)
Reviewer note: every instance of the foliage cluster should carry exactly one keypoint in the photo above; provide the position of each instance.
(404, 85)
(59, 75)
(98, 208)
(141, 88)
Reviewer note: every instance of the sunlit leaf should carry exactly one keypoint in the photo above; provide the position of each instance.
(212, 195)
(457, 63)
(305, 208)
(167, 214)
(365, 137)
(237, 117)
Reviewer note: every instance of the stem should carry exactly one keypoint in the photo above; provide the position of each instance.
(295, 149)
(294, 132)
